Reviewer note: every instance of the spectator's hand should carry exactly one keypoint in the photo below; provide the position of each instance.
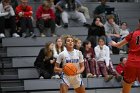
(52, 61)
(100, 24)
(116, 35)
(46, 16)
(7, 8)
(20, 14)
(112, 43)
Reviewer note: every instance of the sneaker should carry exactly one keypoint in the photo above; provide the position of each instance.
(118, 78)
(86, 25)
(32, 35)
(15, 35)
(24, 35)
(136, 83)
(53, 35)
(58, 26)
(41, 77)
(2, 35)
(43, 35)
(89, 75)
(108, 78)
(55, 77)
(66, 25)
(94, 76)
(100, 76)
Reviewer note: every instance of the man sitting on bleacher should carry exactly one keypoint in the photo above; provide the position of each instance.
(7, 18)
(68, 10)
(24, 17)
(45, 18)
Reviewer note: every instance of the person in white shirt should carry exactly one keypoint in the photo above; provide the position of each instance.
(124, 30)
(7, 18)
(102, 56)
(70, 55)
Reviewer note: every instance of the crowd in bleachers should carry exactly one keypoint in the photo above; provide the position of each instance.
(49, 15)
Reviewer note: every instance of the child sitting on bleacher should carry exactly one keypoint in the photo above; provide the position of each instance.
(89, 60)
(102, 54)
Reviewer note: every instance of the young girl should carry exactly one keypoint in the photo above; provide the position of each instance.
(102, 57)
(70, 55)
(123, 31)
(45, 61)
(89, 60)
(58, 47)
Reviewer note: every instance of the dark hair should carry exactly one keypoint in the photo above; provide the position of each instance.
(86, 42)
(101, 38)
(121, 59)
(124, 23)
(93, 22)
(71, 3)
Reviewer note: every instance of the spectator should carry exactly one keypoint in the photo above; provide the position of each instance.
(78, 45)
(7, 18)
(124, 30)
(123, 33)
(45, 18)
(95, 31)
(121, 65)
(101, 8)
(90, 64)
(59, 47)
(102, 57)
(83, 9)
(113, 72)
(24, 18)
(68, 10)
(112, 31)
(45, 61)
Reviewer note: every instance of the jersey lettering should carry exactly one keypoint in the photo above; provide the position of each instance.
(137, 40)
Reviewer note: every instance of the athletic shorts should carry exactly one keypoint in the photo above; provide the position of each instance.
(74, 81)
(131, 74)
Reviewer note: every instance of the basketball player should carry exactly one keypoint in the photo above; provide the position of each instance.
(70, 55)
(132, 68)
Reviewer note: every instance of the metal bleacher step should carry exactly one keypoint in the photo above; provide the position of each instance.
(9, 71)
(39, 41)
(11, 83)
(12, 88)
(26, 62)
(90, 83)
(28, 73)
(8, 77)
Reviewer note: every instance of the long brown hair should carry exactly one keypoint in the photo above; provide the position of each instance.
(48, 52)
(56, 46)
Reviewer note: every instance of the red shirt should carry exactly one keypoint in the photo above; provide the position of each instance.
(120, 68)
(41, 11)
(27, 11)
(134, 48)
(89, 54)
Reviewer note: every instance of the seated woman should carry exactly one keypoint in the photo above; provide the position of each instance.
(45, 61)
(102, 55)
(95, 31)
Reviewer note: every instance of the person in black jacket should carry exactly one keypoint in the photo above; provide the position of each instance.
(95, 31)
(45, 61)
